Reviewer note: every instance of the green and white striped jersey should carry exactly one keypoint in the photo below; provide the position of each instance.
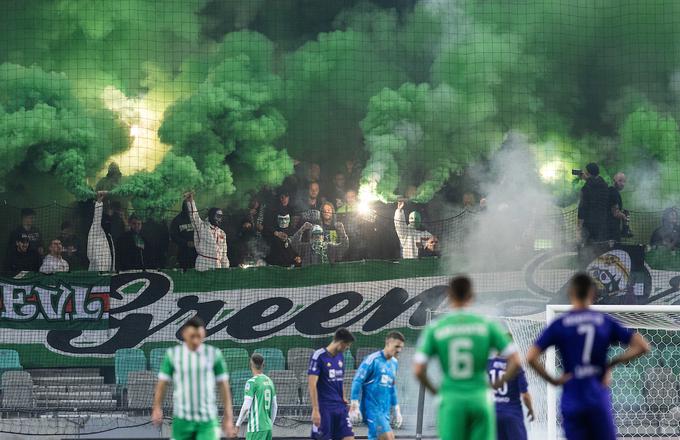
(261, 389)
(194, 374)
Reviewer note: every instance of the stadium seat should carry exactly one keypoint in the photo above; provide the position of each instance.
(140, 389)
(298, 361)
(287, 387)
(347, 382)
(126, 361)
(17, 390)
(661, 388)
(237, 381)
(155, 358)
(236, 359)
(627, 386)
(671, 358)
(349, 360)
(273, 359)
(363, 352)
(9, 360)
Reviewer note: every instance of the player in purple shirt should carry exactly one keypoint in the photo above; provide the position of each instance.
(509, 415)
(330, 417)
(583, 337)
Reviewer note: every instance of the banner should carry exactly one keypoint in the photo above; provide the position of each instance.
(82, 319)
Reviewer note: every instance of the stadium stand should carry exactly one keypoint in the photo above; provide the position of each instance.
(287, 386)
(17, 390)
(126, 361)
(155, 358)
(273, 359)
(236, 358)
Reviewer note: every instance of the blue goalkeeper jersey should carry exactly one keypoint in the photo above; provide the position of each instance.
(374, 383)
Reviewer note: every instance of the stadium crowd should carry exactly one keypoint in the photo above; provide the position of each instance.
(312, 218)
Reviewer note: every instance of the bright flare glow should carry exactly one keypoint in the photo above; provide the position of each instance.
(144, 116)
(550, 171)
(364, 207)
(367, 195)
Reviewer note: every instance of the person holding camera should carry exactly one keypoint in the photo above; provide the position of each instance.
(617, 226)
(593, 208)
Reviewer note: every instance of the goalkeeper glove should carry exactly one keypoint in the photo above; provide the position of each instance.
(354, 412)
(398, 419)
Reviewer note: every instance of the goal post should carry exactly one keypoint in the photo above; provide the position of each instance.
(664, 318)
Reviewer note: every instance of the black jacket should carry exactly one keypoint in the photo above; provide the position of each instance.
(130, 251)
(181, 233)
(594, 209)
(22, 261)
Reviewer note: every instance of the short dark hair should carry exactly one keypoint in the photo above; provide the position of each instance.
(396, 335)
(25, 212)
(134, 217)
(581, 283)
(258, 360)
(593, 169)
(343, 335)
(460, 288)
(195, 322)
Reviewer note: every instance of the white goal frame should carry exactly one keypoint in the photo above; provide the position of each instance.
(550, 359)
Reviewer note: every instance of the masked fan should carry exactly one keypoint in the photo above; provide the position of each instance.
(209, 239)
(410, 234)
(317, 250)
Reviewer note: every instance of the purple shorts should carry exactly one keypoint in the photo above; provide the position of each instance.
(335, 425)
(596, 423)
(510, 427)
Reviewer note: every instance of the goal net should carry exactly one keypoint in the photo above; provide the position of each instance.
(645, 392)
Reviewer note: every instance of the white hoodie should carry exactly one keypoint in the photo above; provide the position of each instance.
(101, 256)
(409, 236)
(210, 242)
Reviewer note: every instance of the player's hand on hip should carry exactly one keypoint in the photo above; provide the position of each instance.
(157, 416)
(562, 379)
(398, 419)
(530, 415)
(354, 412)
(316, 418)
(497, 384)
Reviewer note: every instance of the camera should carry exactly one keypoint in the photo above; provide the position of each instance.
(577, 173)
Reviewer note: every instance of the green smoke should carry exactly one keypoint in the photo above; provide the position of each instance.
(43, 124)
(229, 126)
(420, 90)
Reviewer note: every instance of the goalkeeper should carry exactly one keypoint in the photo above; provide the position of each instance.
(374, 385)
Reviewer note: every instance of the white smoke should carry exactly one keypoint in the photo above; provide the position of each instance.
(521, 214)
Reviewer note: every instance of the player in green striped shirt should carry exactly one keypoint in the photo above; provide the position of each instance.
(194, 369)
(463, 342)
(259, 403)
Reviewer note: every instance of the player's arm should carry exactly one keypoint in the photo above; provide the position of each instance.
(394, 403)
(524, 394)
(638, 346)
(159, 394)
(362, 373)
(426, 349)
(275, 409)
(534, 362)
(228, 420)
(500, 341)
(222, 379)
(245, 408)
(164, 376)
(312, 380)
(526, 399)
(420, 371)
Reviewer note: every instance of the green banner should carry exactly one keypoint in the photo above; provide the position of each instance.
(81, 319)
